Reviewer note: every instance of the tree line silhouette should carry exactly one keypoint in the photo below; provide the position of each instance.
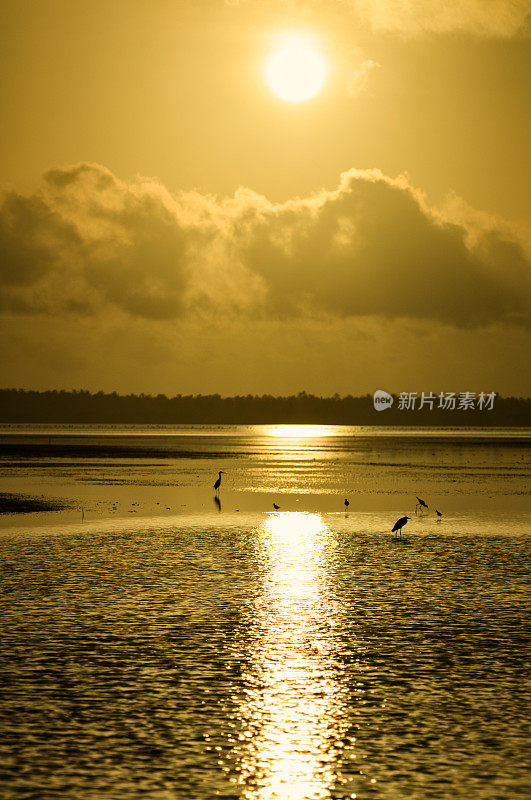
(70, 407)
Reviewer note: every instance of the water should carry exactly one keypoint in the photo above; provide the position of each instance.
(172, 650)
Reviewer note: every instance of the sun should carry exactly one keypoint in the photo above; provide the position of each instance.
(296, 70)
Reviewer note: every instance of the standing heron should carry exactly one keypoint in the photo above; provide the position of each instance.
(439, 514)
(218, 482)
(399, 524)
(421, 504)
(346, 504)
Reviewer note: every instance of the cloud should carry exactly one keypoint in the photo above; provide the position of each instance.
(482, 18)
(374, 247)
(87, 243)
(491, 18)
(357, 79)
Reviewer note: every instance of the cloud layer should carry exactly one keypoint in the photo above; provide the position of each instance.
(488, 18)
(87, 241)
(493, 18)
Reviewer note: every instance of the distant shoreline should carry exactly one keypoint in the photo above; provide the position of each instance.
(18, 406)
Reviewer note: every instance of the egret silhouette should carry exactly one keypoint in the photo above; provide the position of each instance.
(399, 524)
(421, 504)
(346, 504)
(275, 506)
(439, 514)
(218, 482)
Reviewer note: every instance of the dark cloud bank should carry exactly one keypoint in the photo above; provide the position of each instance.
(87, 242)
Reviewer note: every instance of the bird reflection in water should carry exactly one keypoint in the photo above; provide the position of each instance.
(293, 711)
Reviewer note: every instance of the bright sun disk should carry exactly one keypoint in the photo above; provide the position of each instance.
(296, 70)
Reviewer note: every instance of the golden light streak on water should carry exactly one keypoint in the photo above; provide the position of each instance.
(295, 711)
(300, 431)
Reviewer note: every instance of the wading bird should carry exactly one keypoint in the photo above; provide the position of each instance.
(421, 504)
(399, 524)
(218, 482)
(346, 504)
(439, 514)
(275, 506)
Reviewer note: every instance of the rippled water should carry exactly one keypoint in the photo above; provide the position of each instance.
(304, 654)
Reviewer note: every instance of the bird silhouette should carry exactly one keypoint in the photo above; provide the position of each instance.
(439, 514)
(218, 482)
(346, 504)
(399, 524)
(421, 504)
(275, 506)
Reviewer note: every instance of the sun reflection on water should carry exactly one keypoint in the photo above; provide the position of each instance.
(301, 431)
(293, 712)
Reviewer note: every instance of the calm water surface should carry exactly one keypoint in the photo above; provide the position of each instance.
(169, 649)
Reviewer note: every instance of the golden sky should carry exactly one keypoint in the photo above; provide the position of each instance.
(170, 224)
